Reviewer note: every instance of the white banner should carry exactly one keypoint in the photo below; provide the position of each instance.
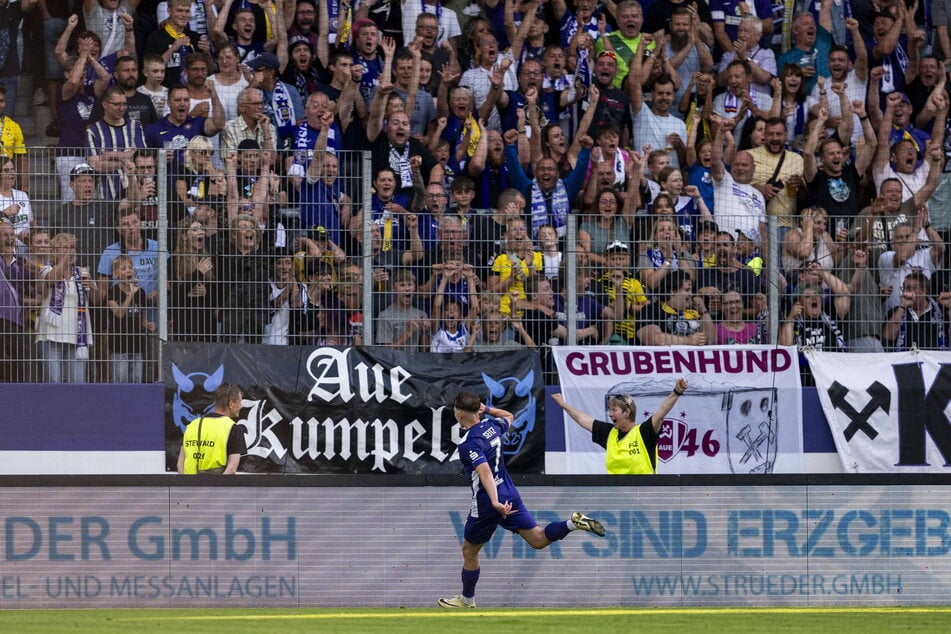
(888, 412)
(741, 414)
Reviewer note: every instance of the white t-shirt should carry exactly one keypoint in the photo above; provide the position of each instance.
(652, 129)
(478, 80)
(910, 183)
(22, 219)
(738, 206)
(920, 262)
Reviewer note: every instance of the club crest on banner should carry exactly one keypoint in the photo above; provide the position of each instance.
(517, 394)
(186, 404)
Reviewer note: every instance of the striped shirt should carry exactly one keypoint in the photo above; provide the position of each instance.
(102, 137)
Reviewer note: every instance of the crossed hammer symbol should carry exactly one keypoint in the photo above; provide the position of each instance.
(881, 397)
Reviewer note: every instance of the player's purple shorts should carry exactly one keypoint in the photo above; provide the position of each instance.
(479, 530)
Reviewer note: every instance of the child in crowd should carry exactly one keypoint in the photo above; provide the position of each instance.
(153, 69)
(128, 324)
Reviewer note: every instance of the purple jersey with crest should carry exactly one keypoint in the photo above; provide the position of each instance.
(483, 444)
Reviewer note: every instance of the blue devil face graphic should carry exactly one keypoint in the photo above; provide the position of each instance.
(519, 398)
(182, 412)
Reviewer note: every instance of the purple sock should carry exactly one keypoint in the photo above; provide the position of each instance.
(469, 580)
(556, 531)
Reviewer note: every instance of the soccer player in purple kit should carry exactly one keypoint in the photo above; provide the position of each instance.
(495, 500)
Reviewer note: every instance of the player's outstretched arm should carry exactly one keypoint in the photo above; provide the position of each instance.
(582, 418)
(658, 418)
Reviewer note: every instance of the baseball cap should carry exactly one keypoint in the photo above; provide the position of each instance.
(749, 234)
(616, 247)
(298, 39)
(264, 60)
(82, 168)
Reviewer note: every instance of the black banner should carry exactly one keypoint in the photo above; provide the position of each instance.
(351, 410)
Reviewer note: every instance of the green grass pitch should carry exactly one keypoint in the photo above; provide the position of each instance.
(494, 620)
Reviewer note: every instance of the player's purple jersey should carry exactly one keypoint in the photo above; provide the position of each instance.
(483, 443)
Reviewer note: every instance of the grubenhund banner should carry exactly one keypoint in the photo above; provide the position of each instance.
(350, 410)
(741, 413)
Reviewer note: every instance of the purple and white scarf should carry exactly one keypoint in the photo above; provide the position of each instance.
(54, 315)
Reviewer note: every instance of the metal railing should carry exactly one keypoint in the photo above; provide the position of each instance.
(181, 245)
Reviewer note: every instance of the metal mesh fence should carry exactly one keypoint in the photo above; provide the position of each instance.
(101, 266)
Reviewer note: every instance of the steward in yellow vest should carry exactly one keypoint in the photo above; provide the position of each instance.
(213, 443)
(629, 447)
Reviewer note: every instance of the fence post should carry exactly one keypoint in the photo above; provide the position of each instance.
(772, 269)
(162, 193)
(571, 280)
(367, 251)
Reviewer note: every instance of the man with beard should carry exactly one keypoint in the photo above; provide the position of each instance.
(738, 205)
(627, 40)
(659, 15)
(549, 199)
(685, 50)
(199, 95)
(832, 178)
(489, 172)
(778, 173)
(305, 20)
(613, 104)
(394, 149)
(902, 159)
(139, 107)
(655, 125)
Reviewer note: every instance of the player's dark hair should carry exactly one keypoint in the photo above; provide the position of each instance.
(467, 402)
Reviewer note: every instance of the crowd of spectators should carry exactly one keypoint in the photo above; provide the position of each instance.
(676, 131)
